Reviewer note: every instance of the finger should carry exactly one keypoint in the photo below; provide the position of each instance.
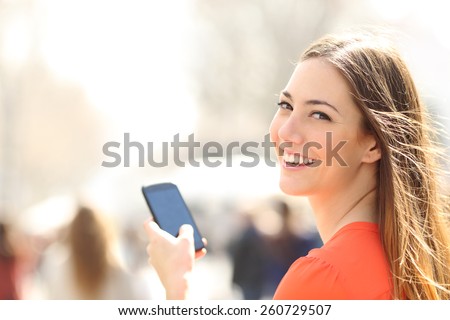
(147, 224)
(186, 237)
(158, 235)
(150, 228)
(200, 253)
(149, 219)
(186, 230)
(205, 242)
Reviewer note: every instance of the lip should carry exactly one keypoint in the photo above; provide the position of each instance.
(286, 167)
(289, 152)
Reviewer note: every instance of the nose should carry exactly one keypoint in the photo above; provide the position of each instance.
(291, 130)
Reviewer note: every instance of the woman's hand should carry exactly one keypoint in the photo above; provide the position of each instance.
(173, 258)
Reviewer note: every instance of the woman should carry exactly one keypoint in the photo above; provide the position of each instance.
(87, 268)
(351, 135)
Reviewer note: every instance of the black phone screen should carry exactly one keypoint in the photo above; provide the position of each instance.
(169, 210)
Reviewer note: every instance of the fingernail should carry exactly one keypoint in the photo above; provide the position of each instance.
(187, 228)
(153, 224)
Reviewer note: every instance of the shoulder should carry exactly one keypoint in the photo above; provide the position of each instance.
(311, 278)
(352, 245)
(352, 265)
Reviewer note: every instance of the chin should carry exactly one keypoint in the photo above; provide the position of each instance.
(292, 189)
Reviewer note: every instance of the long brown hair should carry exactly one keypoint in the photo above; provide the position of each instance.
(6, 249)
(89, 245)
(411, 203)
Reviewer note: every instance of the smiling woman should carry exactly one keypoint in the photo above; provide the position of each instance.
(381, 217)
(379, 211)
(316, 107)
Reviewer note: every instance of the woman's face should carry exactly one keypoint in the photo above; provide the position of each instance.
(317, 131)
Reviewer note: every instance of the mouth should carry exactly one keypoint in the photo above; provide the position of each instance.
(297, 160)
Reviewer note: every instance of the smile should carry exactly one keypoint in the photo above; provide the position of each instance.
(297, 160)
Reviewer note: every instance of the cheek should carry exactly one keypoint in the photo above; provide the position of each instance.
(315, 145)
(343, 151)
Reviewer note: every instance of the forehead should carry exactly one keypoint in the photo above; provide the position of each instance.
(316, 78)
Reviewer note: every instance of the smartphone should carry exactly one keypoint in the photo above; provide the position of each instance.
(169, 210)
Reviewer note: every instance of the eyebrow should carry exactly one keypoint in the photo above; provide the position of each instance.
(312, 102)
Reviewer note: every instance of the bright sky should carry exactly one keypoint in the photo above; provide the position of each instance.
(128, 56)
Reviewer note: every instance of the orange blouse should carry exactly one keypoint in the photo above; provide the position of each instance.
(351, 265)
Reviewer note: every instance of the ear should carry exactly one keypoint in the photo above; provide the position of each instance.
(372, 152)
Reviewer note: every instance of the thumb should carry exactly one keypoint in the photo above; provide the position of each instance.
(186, 231)
(186, 237)
(154, 231)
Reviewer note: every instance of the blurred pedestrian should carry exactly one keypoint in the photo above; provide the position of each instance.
(265, 250)
(8, 266)
(85, 266)
(249, 260)
(286, 245)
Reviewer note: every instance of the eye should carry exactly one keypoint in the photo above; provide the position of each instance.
(320, 116)
(285, 105)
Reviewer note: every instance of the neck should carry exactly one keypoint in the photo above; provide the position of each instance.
(337, 209)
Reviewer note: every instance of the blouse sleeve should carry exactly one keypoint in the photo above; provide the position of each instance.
(311, 278)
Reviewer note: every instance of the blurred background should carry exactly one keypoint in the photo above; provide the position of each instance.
(75, 75)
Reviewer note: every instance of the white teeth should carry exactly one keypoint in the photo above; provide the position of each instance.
(296, 158)
(291, 158)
